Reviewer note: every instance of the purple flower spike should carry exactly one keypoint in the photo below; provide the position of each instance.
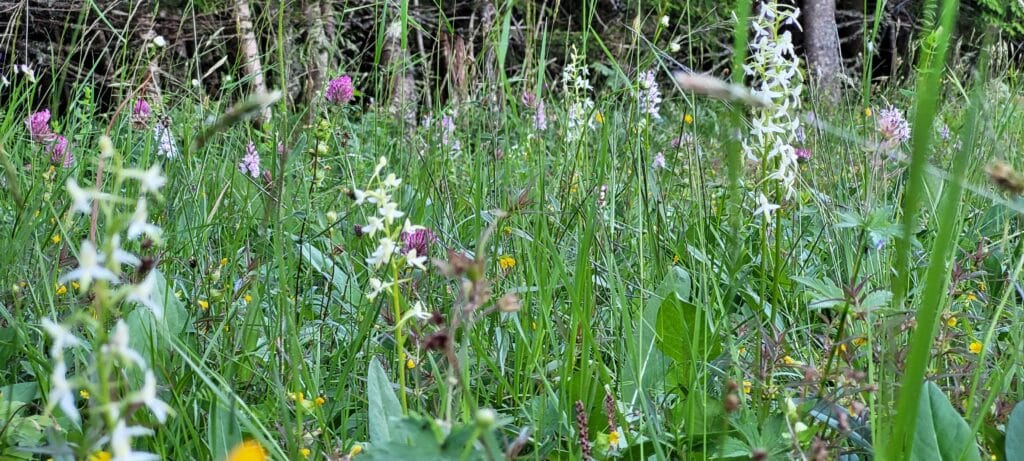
(419, 240)
(141, 112)
(893, 126)
(340, 90)
(250, 164)
(39, 126)
(60, 153)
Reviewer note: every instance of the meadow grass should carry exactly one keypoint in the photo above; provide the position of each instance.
(609, 288)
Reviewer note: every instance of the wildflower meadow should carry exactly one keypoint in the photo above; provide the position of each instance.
(591, 244)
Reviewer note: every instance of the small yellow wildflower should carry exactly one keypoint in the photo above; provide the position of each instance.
(688, 119)
(83, 394)
(410, 364)
(55, 239)
(951, 322)
(747, 386)
(203, 304)
(975, 347)
(675, 259)
(223, 261)
(971, 297)
(297, 396)
(742, 350)
(788, 360)
(304, 452)
(507, 230)
(247, 298)
(613, 438)
(356, 449)
(250, 450)
(842, 348)
(867, 111)
(507, 262)
(860, 341)
(100, 456)
(62, 290)
(599, 117)
(320, 401)
(982, 286)
(75, 286)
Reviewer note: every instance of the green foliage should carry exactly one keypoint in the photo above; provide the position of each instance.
(1005, 15)
(941, 434)
(1015, 430)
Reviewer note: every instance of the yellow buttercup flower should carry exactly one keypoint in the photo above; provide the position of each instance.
(688, 119)
(788, 360)
(247, 298)
(971, 297)
(867, 111)
(75, 286)
(55, 239)
(599, 117)
(61, 290)
(860, 341)
(203, 304)
(304, 452)
(410, 364)
(83, 394)
(507, 262)
(320, 401)
(747, 386)
(613, 438)
(250, 450)
(951, 322)
(976, 347)
(100, 456)
(356, 449)
(223, 261)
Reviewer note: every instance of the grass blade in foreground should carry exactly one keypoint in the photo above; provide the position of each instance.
(928, 308)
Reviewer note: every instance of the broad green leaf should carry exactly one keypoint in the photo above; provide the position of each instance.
(1015, 430)
(142, 323)
(383, 404)
(941, 433)
(684, 335)
(224, 432)
(338, 273)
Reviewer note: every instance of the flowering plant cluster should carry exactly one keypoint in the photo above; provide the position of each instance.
(648, 94)
(39, 131)
(386, 224)
(775, 68)
(106, 380)
(576, 90)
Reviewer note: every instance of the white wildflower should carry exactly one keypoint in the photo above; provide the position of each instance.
(118, 345)
(142, 293)
(139, 224)
(62, 338)
(121, 443)
(62, 393)
(382, 255)
(147, 396)
(414, 260)
(89, 267)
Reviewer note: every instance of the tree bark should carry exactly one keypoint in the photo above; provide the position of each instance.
(251, 52)
(821, 38)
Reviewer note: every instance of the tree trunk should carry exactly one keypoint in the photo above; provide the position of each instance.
(251, 52)
(821, 39)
